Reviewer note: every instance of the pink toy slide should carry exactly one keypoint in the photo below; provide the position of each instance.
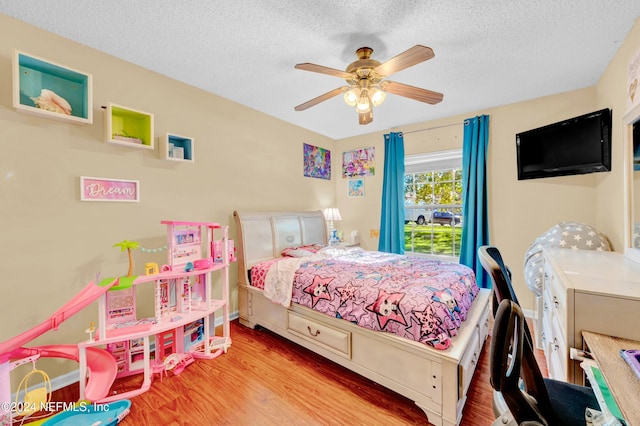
(101, 365)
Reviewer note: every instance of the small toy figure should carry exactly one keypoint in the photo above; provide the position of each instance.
(91, 330)
(188, 267)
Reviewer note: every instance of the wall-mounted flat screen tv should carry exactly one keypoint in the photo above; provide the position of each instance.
(575, 146)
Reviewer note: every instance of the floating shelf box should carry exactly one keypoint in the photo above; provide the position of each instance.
(177, 148)
(128, 127)
(32, 74)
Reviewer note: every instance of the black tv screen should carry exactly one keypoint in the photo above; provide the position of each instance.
(575, 146)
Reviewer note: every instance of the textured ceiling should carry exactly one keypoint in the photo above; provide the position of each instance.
(488, 53)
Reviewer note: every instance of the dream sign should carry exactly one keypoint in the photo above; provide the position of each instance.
(101, 189)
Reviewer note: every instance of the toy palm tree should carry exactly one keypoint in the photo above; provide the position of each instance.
(128, 245)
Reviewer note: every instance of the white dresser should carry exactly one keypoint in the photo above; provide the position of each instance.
(586, 290)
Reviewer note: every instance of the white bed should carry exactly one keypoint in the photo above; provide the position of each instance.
(437, 380)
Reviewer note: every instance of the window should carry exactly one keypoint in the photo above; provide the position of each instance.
(433, 203)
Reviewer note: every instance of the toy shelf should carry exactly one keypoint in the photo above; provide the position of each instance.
(44, 88)
(128, 127)
(172, 321)
(175, 274)
(177, 148)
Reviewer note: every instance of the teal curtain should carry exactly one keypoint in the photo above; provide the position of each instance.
(475, 220)
(392, 217)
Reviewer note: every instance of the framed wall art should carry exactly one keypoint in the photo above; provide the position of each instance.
(360, 162)
(355, 188)
(104, 189)
(317, 162)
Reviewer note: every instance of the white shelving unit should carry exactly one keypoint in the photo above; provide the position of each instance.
(47, 89)
(177, 148)
(128, 127)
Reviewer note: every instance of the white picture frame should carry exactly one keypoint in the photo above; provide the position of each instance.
(355, 188)
(109, 190)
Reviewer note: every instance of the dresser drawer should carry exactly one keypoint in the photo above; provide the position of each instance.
(333, 339)
(558, 353)
(483, 327)
(555, 298)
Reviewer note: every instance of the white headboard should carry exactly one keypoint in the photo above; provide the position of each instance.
(263, 235)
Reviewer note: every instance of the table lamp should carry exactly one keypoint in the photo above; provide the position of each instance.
(332, 214)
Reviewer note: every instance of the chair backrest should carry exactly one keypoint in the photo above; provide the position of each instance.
(492, 262)
(506, 364)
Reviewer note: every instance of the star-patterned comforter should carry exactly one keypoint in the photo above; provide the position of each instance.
(416, 298)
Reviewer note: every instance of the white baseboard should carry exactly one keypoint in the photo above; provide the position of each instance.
(72, 377)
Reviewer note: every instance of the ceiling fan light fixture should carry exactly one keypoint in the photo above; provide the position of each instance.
(367, 86)
(351, 96)
(364, 103)
(377, 96)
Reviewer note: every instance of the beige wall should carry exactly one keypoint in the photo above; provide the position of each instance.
(53, 244)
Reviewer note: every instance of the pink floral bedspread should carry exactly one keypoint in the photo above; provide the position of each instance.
(416, 298)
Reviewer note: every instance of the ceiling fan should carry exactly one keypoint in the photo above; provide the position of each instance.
(366, 87)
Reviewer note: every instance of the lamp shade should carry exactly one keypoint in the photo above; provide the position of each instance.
(332, 214)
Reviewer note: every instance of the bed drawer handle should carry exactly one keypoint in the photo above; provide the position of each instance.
(311, 333)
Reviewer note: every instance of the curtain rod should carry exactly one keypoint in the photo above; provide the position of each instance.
(436, 127)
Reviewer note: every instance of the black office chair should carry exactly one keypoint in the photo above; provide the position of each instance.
(565, 404)
(500, 274)
(547, 394)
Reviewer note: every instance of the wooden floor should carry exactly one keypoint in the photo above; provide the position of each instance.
(266, 380)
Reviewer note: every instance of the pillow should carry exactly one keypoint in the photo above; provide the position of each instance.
(299, 251)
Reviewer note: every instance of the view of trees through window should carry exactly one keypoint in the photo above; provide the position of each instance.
(433, 211)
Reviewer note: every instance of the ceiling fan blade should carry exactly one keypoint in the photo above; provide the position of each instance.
(416, 93)
(406, 59)
(365, 117)
(321, 98)
(324, 70)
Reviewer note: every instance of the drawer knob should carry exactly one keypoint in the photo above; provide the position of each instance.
(311, 332)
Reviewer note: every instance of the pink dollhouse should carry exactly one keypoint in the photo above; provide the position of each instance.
(181, 329)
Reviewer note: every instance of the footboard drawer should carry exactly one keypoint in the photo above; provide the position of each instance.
(333, 339)
(468, 364)
(483, 328)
